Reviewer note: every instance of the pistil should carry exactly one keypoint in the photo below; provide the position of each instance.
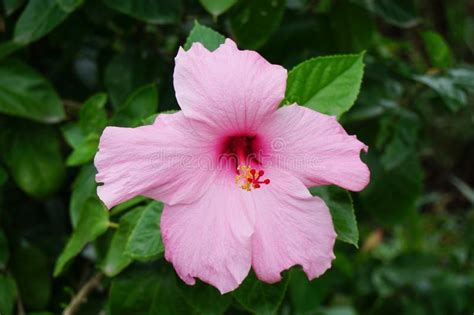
(247, 178)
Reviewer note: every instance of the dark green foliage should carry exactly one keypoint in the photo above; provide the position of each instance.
(253, 22)
(154, 12)
(139, 105)
(261, 298)
(33, 279)
(398, 74)
(340, 205)
(146, 291)
(25, 93)
(92, 221)
(35, 163)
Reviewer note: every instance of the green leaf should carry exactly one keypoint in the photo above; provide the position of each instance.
(33, 156)
(353, 27)
(84, 136)
(93, 221)
(204, 35)
(125, 73)
(11, 6)
(124, 206)
(340, 205)
(151, 119)
(326, 84)
(391, 195)
(307, 296)
(73, 134)
(403, 129)
(92, 116)
(3, 176)
(463, 76)
(259, 297)
(217, 7)
(8, 47)
(8, 294)
(30, 268)
(84, 152)
(38, 19)
(204, 298)
(453, 96)
(4, 250)
(25, 93)
(400, 13)
(254, 21)
(437, 49)
(83, 187)
(150, 11)
(116, 260)
(145, 240)
(140, 104)
(395, 153)
(70, 5)
(145, 291)
(338, 310)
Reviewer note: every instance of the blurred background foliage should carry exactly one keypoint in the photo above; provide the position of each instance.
(68, 68)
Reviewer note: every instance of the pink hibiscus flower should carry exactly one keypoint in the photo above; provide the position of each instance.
(233, 171)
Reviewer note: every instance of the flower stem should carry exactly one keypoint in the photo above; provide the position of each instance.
(113, 225)
(83, 293)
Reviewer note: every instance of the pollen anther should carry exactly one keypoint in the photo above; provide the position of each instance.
(248, 178)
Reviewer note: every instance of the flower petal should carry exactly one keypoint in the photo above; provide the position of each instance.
(210, 239)
(163, 161)
(291, 228)
(229, 89)
(315, 148)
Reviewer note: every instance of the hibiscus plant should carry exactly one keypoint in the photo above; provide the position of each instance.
(236, 157)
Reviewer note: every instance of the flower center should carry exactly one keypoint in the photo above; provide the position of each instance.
(248, 178)
(246, 162)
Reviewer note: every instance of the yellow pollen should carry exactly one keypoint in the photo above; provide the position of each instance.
(248, 178)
